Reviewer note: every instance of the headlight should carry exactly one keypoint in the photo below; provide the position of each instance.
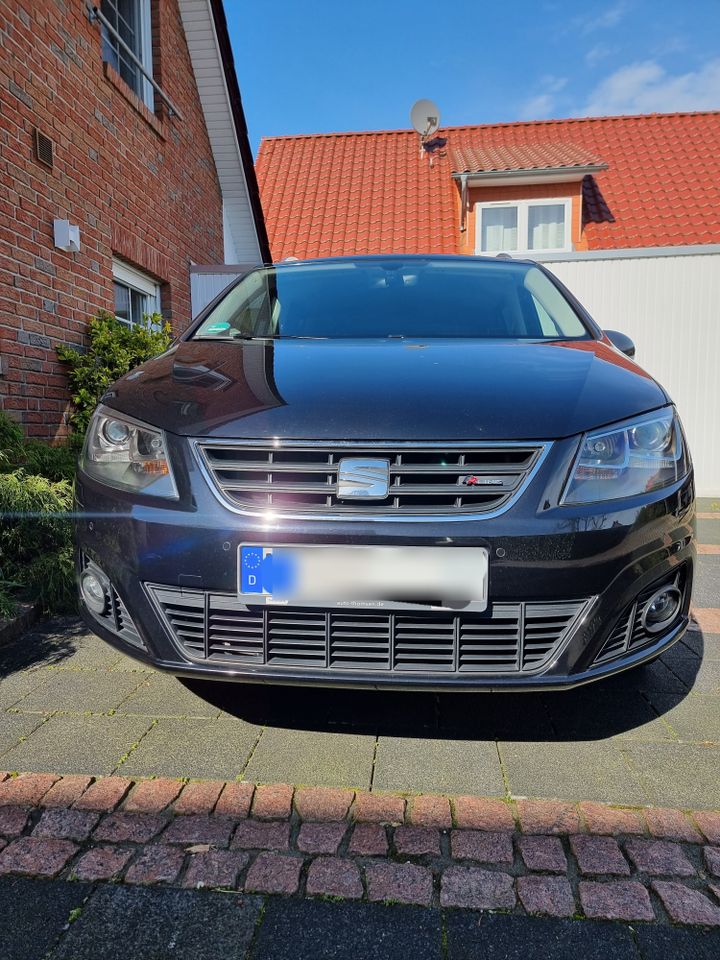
(635, 457)
(127, 454)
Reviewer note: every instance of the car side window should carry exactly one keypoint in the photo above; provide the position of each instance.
(557, 317)
(256, 315)
(547, 324)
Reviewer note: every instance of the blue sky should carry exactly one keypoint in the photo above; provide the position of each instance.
(327, 65)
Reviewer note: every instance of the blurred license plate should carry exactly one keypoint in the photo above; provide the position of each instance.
(394, 577)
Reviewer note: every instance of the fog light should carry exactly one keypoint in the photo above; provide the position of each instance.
(93, 592)
(661, 609)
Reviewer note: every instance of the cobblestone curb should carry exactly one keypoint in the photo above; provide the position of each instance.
(527, 856)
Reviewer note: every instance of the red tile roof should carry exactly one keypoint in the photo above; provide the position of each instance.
(345, 193)
(533, 156)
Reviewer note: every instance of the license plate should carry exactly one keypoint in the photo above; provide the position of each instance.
(343, 576)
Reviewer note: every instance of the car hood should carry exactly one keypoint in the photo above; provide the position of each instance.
(386, 389)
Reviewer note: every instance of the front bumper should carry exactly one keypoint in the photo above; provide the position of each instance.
(604, 555)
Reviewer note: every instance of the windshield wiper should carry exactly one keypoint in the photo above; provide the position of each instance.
(252, 336)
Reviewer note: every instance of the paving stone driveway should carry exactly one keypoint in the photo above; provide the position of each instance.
(202, 925)
(71, 704)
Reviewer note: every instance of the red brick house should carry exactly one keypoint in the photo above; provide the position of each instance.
(625, 210)
(126, 124)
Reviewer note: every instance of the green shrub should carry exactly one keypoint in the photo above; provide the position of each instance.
(113, 349)
(36, 552)
(8, 592)
(34, 456)
(36, 540)
(11, 440)
(55, 463)
(35, 532)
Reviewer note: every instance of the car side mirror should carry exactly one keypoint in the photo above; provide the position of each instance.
(621, 341)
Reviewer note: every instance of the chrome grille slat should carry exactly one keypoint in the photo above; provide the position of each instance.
(276, 488)
(499, 641)
(267, 467)
(443, 489)
(491, 469)
(299, 478)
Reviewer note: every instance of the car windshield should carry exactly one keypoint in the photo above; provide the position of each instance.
(395, 298)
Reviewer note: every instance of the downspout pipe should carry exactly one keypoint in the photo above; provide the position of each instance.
(463, 202)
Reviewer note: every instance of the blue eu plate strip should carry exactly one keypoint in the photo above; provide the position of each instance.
(263, 571)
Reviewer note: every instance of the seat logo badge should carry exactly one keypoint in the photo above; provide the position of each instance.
(473, 481)
(363, 477)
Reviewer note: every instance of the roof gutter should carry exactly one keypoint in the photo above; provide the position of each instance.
(241, 131)
(575, 171)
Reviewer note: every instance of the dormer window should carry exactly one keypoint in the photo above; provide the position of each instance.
(523, 196)
(523, 226)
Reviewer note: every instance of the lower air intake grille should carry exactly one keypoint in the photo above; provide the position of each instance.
(115, 616)
(629, 633)
(126, 628)
(506, 638)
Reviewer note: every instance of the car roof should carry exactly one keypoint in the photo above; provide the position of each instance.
(402, 257)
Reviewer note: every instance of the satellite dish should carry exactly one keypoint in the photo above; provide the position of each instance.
(425, 117)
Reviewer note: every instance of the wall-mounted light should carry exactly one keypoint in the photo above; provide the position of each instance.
(67, 236)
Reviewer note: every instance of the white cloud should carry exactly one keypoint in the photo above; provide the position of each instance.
(537, 108)
(591, 23)
(597, 53)
(671, 44)
(646, 87)
(542, 104)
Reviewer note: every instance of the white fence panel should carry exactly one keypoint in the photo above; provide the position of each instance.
(670, 306)
(207, 282)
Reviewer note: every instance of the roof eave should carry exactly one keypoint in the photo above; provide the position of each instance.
(239, 122)
(530, 173)
(208, 42)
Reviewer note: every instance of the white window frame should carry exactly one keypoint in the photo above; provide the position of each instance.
(523, 207)
(138, 281)
(144, 52)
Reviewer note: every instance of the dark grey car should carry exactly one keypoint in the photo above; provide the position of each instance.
(429, 472)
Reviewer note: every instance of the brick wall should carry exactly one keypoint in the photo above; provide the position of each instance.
(141, 186)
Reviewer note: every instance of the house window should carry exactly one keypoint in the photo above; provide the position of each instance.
(523, 226)
(131, 21)
(136, 294)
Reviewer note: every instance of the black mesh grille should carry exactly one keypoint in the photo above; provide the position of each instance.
(423, 480)
(507, 638)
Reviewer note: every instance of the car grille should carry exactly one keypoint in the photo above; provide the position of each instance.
(628, 634)
(299, 478)
(507, 638)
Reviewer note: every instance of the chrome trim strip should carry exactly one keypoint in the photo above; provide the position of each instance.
(197, 445)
